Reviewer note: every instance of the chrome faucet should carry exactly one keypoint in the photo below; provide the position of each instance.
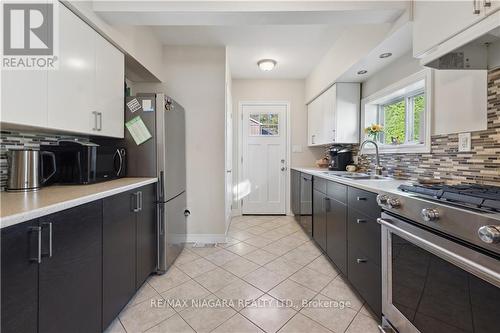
(378, 167)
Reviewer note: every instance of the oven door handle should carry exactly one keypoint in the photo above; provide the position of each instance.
(429, 242)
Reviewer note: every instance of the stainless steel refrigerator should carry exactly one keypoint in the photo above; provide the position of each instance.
(162, 156)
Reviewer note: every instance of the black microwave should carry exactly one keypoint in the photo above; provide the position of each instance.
(79, 162)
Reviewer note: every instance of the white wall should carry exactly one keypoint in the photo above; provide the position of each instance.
(352, 46)
(139, 42)
(460, 97)
(195, 77)
(276, 90)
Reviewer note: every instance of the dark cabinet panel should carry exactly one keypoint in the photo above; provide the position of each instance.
(295, 193)
(336, 233)
(337, 191)
(320, 184)
(146, 234)
(366, 276)
(70, 274)
(319, 218)
(19, 278)
(119, 262)
(364, 202)
(364, 232)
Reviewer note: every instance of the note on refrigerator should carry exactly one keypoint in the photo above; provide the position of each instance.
(138, 130)
(134, 105)
(147, 106)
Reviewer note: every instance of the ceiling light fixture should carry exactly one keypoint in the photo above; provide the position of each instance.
(266, 65)
(385, 55)
(363, 71)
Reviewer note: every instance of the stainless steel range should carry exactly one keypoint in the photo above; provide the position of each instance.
(441, 259)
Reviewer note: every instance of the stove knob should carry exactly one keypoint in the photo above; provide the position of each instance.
(489, 234)
(430, 214)
(382, 199)
(393, 202)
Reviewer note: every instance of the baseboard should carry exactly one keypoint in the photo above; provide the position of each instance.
(206, 238)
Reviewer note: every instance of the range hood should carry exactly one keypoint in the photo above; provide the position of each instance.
(477, 47)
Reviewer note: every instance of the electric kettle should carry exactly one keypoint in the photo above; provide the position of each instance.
(27, 169)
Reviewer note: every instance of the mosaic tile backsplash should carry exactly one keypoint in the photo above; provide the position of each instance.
(480, 166)
(17, 140)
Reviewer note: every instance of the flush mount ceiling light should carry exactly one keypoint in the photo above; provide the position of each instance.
(385, 55)
(266, 65)
(363, 71)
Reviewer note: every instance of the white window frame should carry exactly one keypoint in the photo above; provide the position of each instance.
(402, 90)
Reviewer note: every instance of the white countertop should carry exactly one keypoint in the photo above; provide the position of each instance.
(380, 186)
(17, 207)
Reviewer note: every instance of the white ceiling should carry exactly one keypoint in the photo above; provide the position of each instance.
(296, 48)
(294, 33)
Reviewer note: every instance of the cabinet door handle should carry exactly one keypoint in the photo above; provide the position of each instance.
(361, 260)
(312, 139)
(487, 3)
(140, 200)
(361, 198)
(135, 202)
(359, 221)
(95, 121)
(50, 237)
(100, 120)
(328, 206)
(475, 9)
(38, 257)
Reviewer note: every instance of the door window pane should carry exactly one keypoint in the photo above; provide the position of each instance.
(264, 124)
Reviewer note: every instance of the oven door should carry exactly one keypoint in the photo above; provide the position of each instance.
(432, 284)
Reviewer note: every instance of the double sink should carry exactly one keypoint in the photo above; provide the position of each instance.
(355, 175)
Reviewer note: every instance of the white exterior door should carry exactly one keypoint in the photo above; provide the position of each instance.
(264, 158)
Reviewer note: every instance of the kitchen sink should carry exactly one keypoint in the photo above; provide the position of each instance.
(355, 175)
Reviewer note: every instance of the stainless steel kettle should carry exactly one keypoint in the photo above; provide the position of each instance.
(26, 169)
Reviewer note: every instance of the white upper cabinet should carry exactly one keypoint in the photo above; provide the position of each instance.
(436, 21)
(24, 97)
(109, 89)
(71, 95)
(333, 117)
(84, 95)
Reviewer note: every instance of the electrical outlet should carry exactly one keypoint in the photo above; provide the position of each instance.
(296, 149)
(464, 142)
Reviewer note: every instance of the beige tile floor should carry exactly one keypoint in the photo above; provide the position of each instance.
(268, 277)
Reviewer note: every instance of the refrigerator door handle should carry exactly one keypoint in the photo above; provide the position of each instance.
(161, 194)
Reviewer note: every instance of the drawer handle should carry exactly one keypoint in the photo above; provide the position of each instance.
(359, 221)
(360, 260)
(361, 198)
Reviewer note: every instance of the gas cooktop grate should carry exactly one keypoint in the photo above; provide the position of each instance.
(475, 196)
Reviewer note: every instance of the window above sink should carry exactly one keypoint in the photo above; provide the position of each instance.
(403, 110)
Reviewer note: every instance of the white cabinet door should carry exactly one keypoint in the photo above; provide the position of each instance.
(329, 106)
(314, 116)
(24, 97)
(437, 21)
(109, 89)
(71, 90)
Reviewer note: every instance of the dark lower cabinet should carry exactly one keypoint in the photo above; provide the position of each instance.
(19, 280)
(146, 235)
(73, 271)
(129, 247)
(319, 218)
(70, 274)
(336, 233)
(345, 227)
(364, 248)
(119, 254)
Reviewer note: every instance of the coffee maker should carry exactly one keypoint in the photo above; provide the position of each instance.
(340, 158)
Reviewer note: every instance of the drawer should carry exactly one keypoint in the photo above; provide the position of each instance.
(364, 233)
(363, 201)
(337, 191)
(319, 184)
(366, 277)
